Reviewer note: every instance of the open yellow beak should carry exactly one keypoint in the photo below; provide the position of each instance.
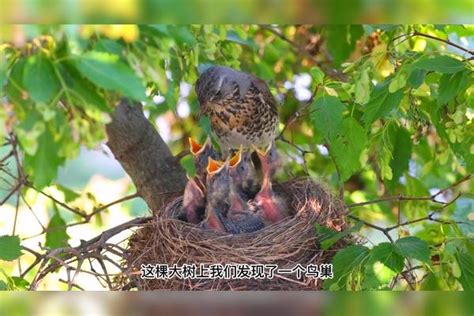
(214, 166)
(235, 160)
(262, 152)
(194, 146)
(197, 148)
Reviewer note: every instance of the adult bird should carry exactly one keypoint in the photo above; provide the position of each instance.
(240, 106)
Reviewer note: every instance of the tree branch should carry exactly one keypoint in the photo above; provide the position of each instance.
(61, 255)
(156, 173)
(446, 41)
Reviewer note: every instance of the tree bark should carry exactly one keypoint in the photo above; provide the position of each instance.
(156, 173)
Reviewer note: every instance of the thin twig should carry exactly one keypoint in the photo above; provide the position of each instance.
(446, 41)
(104, 207)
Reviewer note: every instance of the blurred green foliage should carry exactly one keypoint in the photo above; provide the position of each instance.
(391, 115)
(236, 11)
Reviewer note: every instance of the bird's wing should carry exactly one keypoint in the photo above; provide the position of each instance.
(267, 96)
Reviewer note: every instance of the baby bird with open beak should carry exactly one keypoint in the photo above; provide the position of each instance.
(200, 154)
(217, 194)
(219, 214)
(273, 207)
(194, 199)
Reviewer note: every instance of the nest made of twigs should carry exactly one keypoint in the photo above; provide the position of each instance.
(168, 240)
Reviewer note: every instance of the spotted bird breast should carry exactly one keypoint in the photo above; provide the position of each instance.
(247, 121)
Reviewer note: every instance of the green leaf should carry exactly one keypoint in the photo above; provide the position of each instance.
(326, 116)
(386, 253)
(57, 236)
(182, 35)
(20, 283)
(10, 248)
(466, 264)
(317, 74)
(450, 85)
(84, 94)
(15, 91)
(3, 69)
(431, 283)
(463, 213)
(348, 146)
(188, 164)
(444, 64)
(398, 82)
(463, 152)
(43, 166)
(3, 286)
(413, 247)
(341, 41)
(108, 46)
(328, 237)
(402, 148)
(344, 263)
(381, 103)
(39, 79)
(376, 275)
(172, 95)
(384, 152)
(233, 36)
(69, 195)
(416, 78)
(414, 187)
(108, 71)
(362, 87)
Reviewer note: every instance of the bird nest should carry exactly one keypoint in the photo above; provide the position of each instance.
(170, 245)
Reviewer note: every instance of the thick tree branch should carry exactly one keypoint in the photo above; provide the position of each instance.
(144, 155)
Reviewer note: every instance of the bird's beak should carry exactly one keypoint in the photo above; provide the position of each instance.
(196, 186)
(235, 160)
(194, 146)
(257, 149)
(262, 152)
(214, 166)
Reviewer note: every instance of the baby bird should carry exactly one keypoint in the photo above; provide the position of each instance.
(237, 170)
(242, 220)
(217, 193)
(219, 186)
(273, 208)
(194, 198)
(243, 172)
(194, 201)
(201, 153)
